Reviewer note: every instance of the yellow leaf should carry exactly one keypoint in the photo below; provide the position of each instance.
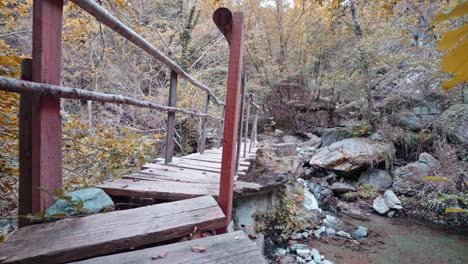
(451, 38)
(455, 210)
(435, 178)
(457, 11)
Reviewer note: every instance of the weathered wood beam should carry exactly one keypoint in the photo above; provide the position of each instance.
(231, 26)
(171, 118)
(42, 89)
(46, 119)
(113, 23)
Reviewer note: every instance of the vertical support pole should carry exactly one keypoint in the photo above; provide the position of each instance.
(204, 122)
(220, 129)
(25, 147)
(46, 119)
(246, 132)
(171, 118)
(239, 132)
(231, 25)
(253, 136)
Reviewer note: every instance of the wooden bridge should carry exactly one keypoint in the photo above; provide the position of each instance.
(194, 192)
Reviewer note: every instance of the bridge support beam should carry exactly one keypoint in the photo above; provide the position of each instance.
(231, 25)
(46, 119)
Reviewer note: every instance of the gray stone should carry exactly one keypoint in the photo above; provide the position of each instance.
(93, 200)
(292, 139)
(379, 179)
(313, 142)
(300, 260)
(305, 234)
(318, 233)
(341, 188)
(284, 149)
(327, 262)
(296, 236)
(343, 234)
(380, 206)
(351, 154)
(287, 259)
(330, 232)
(408, 179)
(316, 256)
(391, 213)
(332, 135)
(391, 200)
(360, 233)
(453, 123)
(304, 253)
(297, 246)
(280, 252)
(332, 222)
(418, 117)
(376, 136)
(322, 192)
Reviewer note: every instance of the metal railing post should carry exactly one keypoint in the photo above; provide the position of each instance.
(246, 132)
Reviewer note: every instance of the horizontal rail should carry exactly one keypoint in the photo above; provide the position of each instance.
(97, 11)
(19, 86)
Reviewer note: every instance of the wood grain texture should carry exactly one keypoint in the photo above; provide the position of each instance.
(97, 235)
(171, 118)
(227, 248)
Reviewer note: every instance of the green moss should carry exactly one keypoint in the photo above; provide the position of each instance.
(367, 191)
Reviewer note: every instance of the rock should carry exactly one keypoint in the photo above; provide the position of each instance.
(330, 231)
(391, 213)
(284, 149)
(296, 236)
(279, 132)
(280, 252)
(327, 262)
(94, 201)
(300, 260)
(356, 214)
(332, 222)
(380, 206)
(313, 142)
(297, 246)
(308, 173)
(341, 188)
(379, 179)
(352, 154)
(376, 136)
(292, 139)
(391, 200)
(343, 234)
(332, 135)
(418, 117)
(453, 123)
(318, 233)
(309, 201)
(7, 226)
(360, 233)
(409, 179)
(304, 253)
(316, 256)
(305, 234)
(287, 259)
(322, 192)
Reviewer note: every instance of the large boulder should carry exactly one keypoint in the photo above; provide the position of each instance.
(409, 179)
(352, 154)
(379, 179)
(86, 201)
(332, 135)
(418, 117)
(284, 149)
(453, 123)
(313, 142)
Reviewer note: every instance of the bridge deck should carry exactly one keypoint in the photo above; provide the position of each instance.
(186, 177)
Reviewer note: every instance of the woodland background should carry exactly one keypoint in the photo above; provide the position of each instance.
(311, 65)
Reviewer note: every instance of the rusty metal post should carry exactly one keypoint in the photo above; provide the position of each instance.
(171, 118)
(25, 147)
(203, 127)
(46, 119)
(231, 25)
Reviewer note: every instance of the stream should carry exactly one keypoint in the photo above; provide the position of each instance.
(399, 240)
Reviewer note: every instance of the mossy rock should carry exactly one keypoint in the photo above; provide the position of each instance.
(453, 123)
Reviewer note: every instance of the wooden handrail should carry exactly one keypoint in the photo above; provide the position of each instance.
(42, 89)
(97, 11)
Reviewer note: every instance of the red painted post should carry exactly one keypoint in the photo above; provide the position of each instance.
(47, 125)
(25, 147)
(231, 25)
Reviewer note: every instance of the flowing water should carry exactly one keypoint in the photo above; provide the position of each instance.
(399, 240)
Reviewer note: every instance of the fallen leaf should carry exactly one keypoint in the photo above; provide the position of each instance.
(198, 249)
(159, 255)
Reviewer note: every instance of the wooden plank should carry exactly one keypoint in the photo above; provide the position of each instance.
(204, 163)
(168, 170)
(171, 118)
(25, 148)
(185, 165)
(158, 189)
(203, 126)
(96, 235)
(231, 25)
(47, 122)
(214, 159)
(233, 247)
